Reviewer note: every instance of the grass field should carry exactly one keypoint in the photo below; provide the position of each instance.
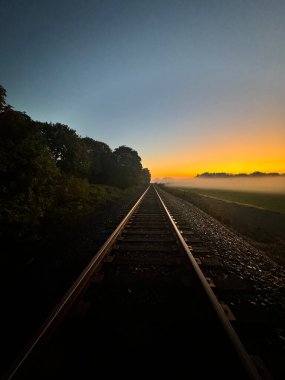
(267, 201)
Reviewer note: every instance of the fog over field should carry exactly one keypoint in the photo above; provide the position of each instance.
(260, 184)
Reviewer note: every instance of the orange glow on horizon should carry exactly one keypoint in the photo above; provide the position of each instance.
(264, 151)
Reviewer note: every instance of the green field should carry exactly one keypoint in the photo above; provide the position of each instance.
(267, 201)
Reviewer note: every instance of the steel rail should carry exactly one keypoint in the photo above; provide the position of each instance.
(77, 288)
(234, 339)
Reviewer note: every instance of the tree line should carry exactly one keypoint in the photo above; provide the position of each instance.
(229, 175)
(39, 161)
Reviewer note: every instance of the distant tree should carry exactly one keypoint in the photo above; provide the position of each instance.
(129, 166)
(145, 176)
(101, 161)
(229, 175)
(67, 148)
(257, 174)
(215, 175)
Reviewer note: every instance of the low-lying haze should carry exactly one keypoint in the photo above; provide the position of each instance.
(263, 184)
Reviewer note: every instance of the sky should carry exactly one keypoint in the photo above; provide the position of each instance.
(193, 86)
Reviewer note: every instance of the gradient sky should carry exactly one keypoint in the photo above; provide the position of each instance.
(193, 86)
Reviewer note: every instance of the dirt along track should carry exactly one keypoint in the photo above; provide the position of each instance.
(143, 304)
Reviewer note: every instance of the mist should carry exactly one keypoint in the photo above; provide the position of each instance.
(260, 184)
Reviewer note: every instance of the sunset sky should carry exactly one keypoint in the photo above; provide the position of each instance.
(193, 86)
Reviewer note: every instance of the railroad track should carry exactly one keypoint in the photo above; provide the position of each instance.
(142, 305)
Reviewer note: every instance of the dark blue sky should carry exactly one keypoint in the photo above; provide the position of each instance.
(123, 72)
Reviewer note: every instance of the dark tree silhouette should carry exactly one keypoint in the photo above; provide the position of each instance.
(145, 176)
(28, 171)
(67, 148)
(101, 161)
(43, 164)
(2, 98)
(129, 166)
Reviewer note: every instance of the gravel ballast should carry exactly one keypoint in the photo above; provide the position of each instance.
(240, 259)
